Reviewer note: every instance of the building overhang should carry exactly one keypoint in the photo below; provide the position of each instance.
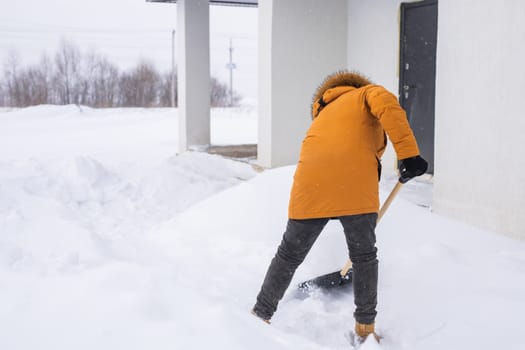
(244, 3)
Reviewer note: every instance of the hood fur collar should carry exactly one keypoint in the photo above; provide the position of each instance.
(341, 78)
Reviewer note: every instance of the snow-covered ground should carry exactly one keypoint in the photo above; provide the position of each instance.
(109, 240)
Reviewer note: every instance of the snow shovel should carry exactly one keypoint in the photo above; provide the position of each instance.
(343, 278)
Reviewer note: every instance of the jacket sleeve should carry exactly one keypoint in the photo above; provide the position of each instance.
(384, 106)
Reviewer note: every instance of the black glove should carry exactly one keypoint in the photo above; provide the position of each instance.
(411, 167)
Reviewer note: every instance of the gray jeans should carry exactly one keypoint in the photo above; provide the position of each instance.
(297, 241)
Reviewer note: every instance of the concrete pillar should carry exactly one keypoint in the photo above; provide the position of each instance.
(300, 43)
(193, 57)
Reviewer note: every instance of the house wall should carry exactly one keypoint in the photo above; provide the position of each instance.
(373, 50)
(300, 43)
(480, 118)
(373, 40)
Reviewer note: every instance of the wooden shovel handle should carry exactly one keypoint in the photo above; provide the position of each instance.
(389, 200)
(382, 212)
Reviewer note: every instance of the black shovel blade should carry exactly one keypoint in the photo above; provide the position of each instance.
(328, 282)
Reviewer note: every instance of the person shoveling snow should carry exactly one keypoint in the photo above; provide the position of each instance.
(337, 178)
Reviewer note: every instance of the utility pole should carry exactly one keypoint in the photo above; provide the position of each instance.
(173, 68)
(231, 66)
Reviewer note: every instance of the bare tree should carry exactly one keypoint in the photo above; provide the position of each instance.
(220, 95)
(85, 82)
(91, 79)
(44, 78)
(25, 81)
(26, 86)
(35, 83)
(3, 94)
(67, 75)
(3, 101)
(12, 86)
(139, 87)
(165, 90)
(105, 83)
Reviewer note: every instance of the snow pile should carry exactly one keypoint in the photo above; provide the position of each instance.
(83, 212)
(108, 242)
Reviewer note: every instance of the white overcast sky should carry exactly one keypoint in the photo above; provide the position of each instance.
(126, 31)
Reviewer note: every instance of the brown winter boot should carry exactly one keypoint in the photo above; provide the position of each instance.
(262, 318)
(364, 330)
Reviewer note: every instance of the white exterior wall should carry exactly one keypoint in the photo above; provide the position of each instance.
(480, 118)
(193, 71)
(373, 50)
(300, 43)
(373, 40)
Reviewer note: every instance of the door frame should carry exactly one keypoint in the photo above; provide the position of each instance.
(402, 44)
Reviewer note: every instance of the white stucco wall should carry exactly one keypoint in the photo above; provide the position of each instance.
(300, 43)
(373, 40)
(373, 49)
(480, 118)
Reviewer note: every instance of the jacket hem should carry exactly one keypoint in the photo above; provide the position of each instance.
(331, 214)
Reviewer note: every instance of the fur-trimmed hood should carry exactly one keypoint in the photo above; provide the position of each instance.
(342, 80)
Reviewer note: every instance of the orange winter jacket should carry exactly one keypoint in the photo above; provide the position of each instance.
(339, 163)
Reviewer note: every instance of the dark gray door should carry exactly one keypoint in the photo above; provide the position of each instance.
(417, 72)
